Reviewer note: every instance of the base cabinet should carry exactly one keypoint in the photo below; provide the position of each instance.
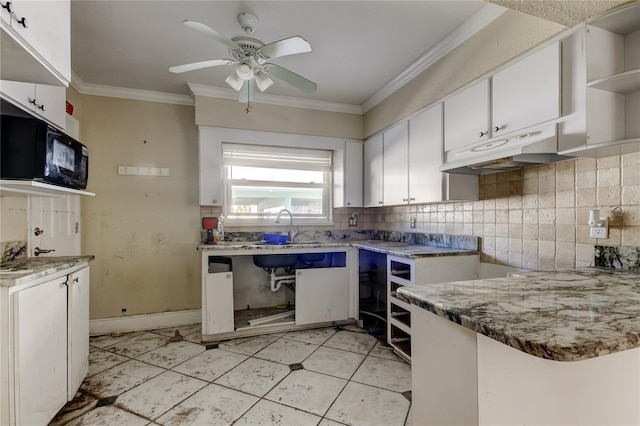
(45, 346)
(217, 306)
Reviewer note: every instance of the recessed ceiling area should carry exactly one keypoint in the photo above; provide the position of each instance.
(358, 47)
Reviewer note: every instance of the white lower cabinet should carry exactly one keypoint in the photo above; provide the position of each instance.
(322, 295)
(40, 352)
(45, 346)
(217, 306)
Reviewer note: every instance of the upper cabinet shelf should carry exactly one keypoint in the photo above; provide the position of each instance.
(22, 188)
(622, 83)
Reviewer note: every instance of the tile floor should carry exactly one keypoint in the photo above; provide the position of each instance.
(326, 377)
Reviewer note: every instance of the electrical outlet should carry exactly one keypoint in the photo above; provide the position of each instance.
(599, 232)
(413, 222)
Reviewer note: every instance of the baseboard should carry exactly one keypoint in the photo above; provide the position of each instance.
(128, 323)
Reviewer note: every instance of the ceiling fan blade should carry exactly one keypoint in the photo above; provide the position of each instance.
(288, 46)
(235, 81)
(246, 92)
(199, 65)
(263, 81)
(290, 77)
(204, 29)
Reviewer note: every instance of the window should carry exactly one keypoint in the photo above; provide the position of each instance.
(260, 181)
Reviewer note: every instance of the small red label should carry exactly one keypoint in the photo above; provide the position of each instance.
(69, 109)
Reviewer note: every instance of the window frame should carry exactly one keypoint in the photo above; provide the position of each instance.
(235, 219)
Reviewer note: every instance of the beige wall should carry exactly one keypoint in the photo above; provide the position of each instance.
(273, 118)
(143, 230)
(505, 38)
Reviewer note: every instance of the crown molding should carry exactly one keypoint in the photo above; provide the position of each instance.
(471, 26)
(265, 98)
(125, 93)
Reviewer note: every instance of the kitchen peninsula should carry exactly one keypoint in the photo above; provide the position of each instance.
(533, 348)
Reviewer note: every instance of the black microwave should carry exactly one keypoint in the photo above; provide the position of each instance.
(30, 149)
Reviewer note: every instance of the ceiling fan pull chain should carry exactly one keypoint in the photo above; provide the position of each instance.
(247, 110)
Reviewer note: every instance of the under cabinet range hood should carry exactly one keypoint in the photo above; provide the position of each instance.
(531, 147)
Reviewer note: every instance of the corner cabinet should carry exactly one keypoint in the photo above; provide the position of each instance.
(45, 345)
(347, 175)
(36, 41)
(373, 172)
(402, 271)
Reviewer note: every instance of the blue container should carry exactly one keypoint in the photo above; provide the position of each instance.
(274, 239)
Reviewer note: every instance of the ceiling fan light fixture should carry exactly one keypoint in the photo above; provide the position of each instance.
(244, 70)
(263, 81)
(235, 82)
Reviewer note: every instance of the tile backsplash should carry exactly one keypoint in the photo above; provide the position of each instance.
(534, 218)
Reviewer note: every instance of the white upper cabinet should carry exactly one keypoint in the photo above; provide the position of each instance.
(373, 172)
(347, 175)
(426, 183)
(395, 162)
(527, 93)
(466, 116)
(425, 156)
(36, 41)
(210, 158)
(44, 100)
(522, 95)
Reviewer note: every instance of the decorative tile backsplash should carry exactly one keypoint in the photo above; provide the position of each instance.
(626, 258)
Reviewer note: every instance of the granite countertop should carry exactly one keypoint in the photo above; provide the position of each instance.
(564, 315)
(410, 250)
(388, 247)
(20, 271)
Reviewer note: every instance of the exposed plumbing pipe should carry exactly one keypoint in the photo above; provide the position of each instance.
(278, 280)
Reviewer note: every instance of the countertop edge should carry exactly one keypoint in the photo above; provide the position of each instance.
(41, 267)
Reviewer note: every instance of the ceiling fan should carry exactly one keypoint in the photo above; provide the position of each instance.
(251, 58)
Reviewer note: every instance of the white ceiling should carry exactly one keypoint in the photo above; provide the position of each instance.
(359, 47)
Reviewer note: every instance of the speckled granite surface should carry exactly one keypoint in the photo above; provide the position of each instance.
(20, 271)
(404, 244)
(564, 315)
(625, 258)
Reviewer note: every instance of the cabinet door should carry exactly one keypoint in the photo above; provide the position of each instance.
(5, 17)
(43, 100)
(466, 116)
(40, 351)
(217, 303)
(347, 175)
(78, 330)
(396, 157)
(425, 156)
(48, 31)
(373, 172)
(527, 92)
(353, 174)
(322, 295)
(210, 157)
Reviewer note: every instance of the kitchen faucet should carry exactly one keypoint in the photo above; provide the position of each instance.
(290, 236)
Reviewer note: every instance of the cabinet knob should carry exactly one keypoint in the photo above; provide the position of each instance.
(23, 22)
(38, 231)
(215, 201)
(348, 203)
(497, 129)
(380, 202)
(405, 199)
(40, 107)
(7, 6)
(32, 101)
(76, 280)
(483, 134)
(412, 199)
(228, 275)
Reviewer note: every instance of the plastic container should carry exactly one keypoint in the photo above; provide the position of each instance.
(275, 239)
